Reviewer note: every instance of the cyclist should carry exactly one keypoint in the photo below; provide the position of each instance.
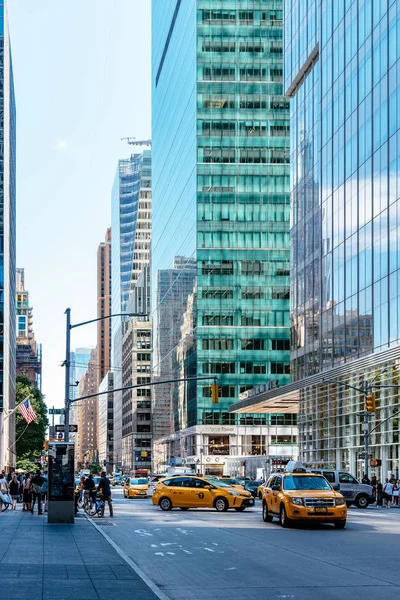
(105, 490)
(89, 488)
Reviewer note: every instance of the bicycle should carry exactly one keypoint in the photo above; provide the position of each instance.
(95, 508)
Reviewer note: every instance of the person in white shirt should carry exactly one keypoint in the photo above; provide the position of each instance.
(3, 487)
(388, 492)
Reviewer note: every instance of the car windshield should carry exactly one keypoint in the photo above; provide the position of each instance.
(252, 484)
(221, 484)
(230, 482)
(138, 481)
(305, 482)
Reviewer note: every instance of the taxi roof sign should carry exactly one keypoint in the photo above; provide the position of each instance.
(295, 466)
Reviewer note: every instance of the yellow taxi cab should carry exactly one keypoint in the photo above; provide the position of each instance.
(135, 487)
(296, 495)
(259, 491)
(197, 492)
(229, 481)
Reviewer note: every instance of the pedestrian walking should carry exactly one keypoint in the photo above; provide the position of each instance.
(3, 487)
(395, 495)
(36, 488)
(379, 493)
(26, 493)
(13, 487)
(105, 490)
(366, 480)
(44, 494)
(388, 492)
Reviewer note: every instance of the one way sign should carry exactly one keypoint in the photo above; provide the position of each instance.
(61, 428)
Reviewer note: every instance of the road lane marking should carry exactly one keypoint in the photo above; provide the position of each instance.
(151, 584)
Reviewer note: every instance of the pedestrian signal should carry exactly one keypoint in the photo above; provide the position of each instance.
(370, 403)
(214, 393)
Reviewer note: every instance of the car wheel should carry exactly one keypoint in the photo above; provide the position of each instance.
(240, 508)
(221, 504)
(362, 501)
(165, 504)
(267, 518)
(340, 524)
(184, 507)
(284, 521)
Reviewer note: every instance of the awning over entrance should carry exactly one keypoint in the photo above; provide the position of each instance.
(274, 401)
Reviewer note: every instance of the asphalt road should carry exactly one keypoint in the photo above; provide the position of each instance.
(204, 555)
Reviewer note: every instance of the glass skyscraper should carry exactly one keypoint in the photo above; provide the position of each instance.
(221, 195)
(130, 252)
(341, 73)
(7, 245)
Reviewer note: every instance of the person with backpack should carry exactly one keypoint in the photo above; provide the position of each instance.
(36, 488)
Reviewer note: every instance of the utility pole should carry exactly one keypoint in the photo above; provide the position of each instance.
(366, 432)
(67, 375)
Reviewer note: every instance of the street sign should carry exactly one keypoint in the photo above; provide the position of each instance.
(364, 455)
(56, 411)
(72, 428)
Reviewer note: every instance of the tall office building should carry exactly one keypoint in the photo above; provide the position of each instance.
(221, 194)
(130, 253)
(137, 353)
(104, 305)
(341, 65)
(106, 422)
(7, 248)
(173, 289)
(29, 353)
(87, 415)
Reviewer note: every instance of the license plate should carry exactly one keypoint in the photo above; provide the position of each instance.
(142, 493)
(321, 510)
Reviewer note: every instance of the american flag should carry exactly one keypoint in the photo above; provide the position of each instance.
(26, 410)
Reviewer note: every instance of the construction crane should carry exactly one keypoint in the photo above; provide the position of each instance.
(133, 142)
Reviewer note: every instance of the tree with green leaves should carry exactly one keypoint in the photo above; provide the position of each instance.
(30, 438)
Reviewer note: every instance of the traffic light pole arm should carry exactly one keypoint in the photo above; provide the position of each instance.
(139, 385)
(72, 326)
(361, 390)
(384, 421)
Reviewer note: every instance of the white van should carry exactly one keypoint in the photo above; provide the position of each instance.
(354, 492)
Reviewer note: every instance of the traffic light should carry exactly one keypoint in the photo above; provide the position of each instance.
(370, 403)
(214, 393)
(46, 445)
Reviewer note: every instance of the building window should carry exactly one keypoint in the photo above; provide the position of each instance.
(254, 344)
(219, 367)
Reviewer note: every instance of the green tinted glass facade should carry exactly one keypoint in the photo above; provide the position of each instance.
(242, 202)
(221, 190)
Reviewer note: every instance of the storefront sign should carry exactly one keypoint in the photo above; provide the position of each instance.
(216, 429)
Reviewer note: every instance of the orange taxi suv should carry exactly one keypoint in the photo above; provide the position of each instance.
(197, 492)
(296, 495)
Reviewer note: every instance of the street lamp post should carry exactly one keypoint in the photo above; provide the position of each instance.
(67, 362)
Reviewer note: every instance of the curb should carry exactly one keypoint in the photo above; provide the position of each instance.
(154, 587)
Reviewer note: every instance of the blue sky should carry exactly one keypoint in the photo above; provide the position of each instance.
(82, 81)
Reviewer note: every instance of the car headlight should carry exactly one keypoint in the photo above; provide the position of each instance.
(297, 501)
(235, 494)
(340, 501)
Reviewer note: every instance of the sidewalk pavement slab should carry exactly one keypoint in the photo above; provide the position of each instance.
(43, 561)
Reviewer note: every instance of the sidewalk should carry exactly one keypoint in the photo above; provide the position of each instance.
(39, 561)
